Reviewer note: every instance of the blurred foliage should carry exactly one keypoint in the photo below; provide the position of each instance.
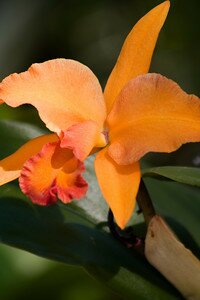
(91, 32)
(25, 276)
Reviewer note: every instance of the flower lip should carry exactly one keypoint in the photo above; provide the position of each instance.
(52, 172)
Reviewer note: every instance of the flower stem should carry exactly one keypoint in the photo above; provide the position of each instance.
(145, 204)
(125, 236)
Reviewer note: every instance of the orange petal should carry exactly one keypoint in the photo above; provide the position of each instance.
(135, 56)
(119, 186)
(10, 167)
(64, 92)
(152, 113)
(53, 171)
(82, 138)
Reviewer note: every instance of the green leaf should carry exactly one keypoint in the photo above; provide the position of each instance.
(14, 134)
(25, 113)
(185, 175)
(78, 234)
(62, 233)
(187, 155)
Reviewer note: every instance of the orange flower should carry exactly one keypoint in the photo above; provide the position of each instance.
(141, 113)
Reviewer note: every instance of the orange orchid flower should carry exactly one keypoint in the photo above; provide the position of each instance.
(138, 113)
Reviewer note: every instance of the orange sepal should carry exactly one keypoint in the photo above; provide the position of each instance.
(53, 171)
(135, 56)
(152, 113)
(119, 186)
(63, 91)
(11, 166)
(82, 138)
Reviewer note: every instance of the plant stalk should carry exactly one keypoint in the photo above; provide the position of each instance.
(145, 204)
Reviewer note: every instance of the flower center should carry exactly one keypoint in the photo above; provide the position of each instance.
(106, 135)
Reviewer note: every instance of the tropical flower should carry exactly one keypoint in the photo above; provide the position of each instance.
(137, 113)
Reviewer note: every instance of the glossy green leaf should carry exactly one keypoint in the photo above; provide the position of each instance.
(187, 155)
(25, 113)
(65, 234)
(14, 134)
(187, 175)
(78, 233)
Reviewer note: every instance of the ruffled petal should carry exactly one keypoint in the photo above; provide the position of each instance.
(152, 114)
(82, 138)
(135, 56)
(53, 171)
(10, 167)
(64, 92)
(119, 186)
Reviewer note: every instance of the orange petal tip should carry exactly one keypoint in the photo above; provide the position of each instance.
(136, 53)
(63, 91)
(119, 186)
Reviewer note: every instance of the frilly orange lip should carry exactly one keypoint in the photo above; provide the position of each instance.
(51, 172)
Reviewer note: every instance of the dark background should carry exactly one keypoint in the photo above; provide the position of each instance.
(91, 32)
